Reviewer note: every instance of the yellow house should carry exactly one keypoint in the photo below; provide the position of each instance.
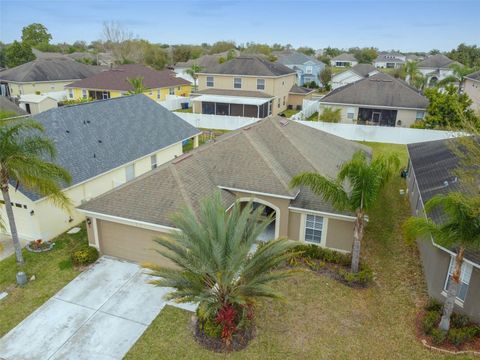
(102, 144)
(248, 86)
(43, 76)
(115, 83)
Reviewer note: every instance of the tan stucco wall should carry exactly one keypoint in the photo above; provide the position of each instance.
(472, 89)
(17, 89)
(36, 108)
(340, 234)
(294, 224)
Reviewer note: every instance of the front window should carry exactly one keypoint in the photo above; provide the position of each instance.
(465, 275)
(237, 83)
(210, 81)
(313, 229)
(420, 115)
(350, 113)
(153, 161)
(308, 69)
(84, 93)
(171, 91)
(260, 84)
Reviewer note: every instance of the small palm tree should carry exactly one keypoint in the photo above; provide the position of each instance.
(137, 85)
(22, 162)
(460, 230)
(216, 266)
(459, 74)
(412, 72)
(193, 71)
(356, 188)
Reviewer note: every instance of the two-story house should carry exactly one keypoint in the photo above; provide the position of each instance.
(249, 86)
(350, 75)
(307, 68)
(436, 68)
(117, 82)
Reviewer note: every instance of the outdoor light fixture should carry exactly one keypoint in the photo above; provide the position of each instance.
(89, 221)
(32, 213)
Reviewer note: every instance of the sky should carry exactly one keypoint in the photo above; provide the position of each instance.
(406, 25)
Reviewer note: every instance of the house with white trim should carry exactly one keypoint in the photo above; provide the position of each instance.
(102, 144)
(436, 68)
(390, 60)
(344, 60)
(355, 73)
(254, 163)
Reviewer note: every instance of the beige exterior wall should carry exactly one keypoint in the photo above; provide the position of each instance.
(36, 108)
(17, 89)
(472, 89)
(294, 225)
(278, 87)
(50, 221)
(158, 94)
(340, 234)
(297, 100)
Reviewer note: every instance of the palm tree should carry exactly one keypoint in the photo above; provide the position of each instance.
(22, 162)
(216, 266)
(412, 72)
(459, 74)
(137, 85)
(460, 230)
(193, 71)
(356, 188)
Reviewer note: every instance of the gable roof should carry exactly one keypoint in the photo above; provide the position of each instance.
(34, 98)
(436, 61)
(262, 157)
(96, 137)
(380, 89)
(363, 69)
(50, 69)
(474, 76)
(294, 58)
(295, 89)
(250, 65)
(434, 164)
(117, 78)
(345, 57)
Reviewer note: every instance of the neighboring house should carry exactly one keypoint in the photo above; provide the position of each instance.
(115, 82)
(471, 87)
(379, 99)
(250, 86)
(431, 171)
(344, 60)
(355, 73)
(102, 144)
(34, 104)
(436, 68)
(307, 68)
(255, 164)
(43, 76)
(390, 60)
(297, 94)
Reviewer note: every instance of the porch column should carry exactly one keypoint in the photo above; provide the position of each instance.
(195, 141)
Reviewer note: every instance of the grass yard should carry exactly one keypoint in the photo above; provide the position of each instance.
(321, 318)
(189, 110)
(53, 270)
(290, 112)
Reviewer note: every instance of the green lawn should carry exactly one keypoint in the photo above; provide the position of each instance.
(50, 278)
(290, 112)
(189, 110)
(321, 318)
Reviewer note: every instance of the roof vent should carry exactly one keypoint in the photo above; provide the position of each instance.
(99, 141)
(445, 183)
(94, 156)
(284, 122)
(67, 131)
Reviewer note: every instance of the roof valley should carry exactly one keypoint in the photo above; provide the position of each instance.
(179, 182)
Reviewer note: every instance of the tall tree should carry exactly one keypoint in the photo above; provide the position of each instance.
(458, 76)
(306, 50)
(325, 77)
(412, 72)
(366, 55)
(26, 159)
(468, 55)
(193, 71)
(356, 188)
(216, 264)
(222, 46)
(17, 54)
(460, 230)
(35, 34)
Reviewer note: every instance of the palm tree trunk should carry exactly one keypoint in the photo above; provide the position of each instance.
(357, 239)
(452, 292)
(11, 222)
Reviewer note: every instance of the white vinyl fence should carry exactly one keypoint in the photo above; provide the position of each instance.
(173, 102)
(219, 122)
(392, 135)
(309, 107)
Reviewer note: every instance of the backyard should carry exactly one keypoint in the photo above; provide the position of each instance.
(323, 319)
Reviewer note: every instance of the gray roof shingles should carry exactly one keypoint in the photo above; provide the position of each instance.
(345, 57)
(262, 157)
(96, 137)
(294, 58)
(474, 76)
(436, 61)
(250, 65)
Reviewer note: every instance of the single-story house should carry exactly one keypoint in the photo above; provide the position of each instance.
(471, 87)
(355, 73)
(307, 67)
(344, 60)
(390, 60)
(436, 67)
(255, 163)
(34, 104)
(102, 144)
(115, 82)
(379, 99)
(43, 76)
(431, 171)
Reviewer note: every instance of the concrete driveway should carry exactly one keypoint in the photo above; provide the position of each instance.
(99, 315)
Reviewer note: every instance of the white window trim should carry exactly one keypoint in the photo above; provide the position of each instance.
(84, 94)
(132, 166)
(207, 82)
(153, 164)
(237, 78)
(303, 222)
(262, 89)
(451, 266)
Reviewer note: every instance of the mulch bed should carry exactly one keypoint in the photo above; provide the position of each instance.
(447, 347)
(239, 342)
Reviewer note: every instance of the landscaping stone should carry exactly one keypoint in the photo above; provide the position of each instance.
(73, 230)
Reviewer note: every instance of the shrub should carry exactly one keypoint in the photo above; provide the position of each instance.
(430, 321)
(459, 321)
(331, 115)
(319, 253)
(460, 336)
(438, 336)
(433, 305)
(211, 328)
(363, 277)
(85, 256)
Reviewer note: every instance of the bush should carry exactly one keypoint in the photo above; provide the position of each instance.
(438, 336)
(211, 328)
(430, 321)
(319, 253)
(363, 277)
(460, 336)
(459, 321)
(85, 256)
(433, 305)
(331, 115)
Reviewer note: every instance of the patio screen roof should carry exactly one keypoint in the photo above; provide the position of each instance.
(232, 99)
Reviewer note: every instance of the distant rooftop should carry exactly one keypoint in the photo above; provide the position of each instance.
(251, 65)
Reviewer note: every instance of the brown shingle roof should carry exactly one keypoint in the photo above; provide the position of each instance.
(258, 158)
(117, 78)
(250, 65)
